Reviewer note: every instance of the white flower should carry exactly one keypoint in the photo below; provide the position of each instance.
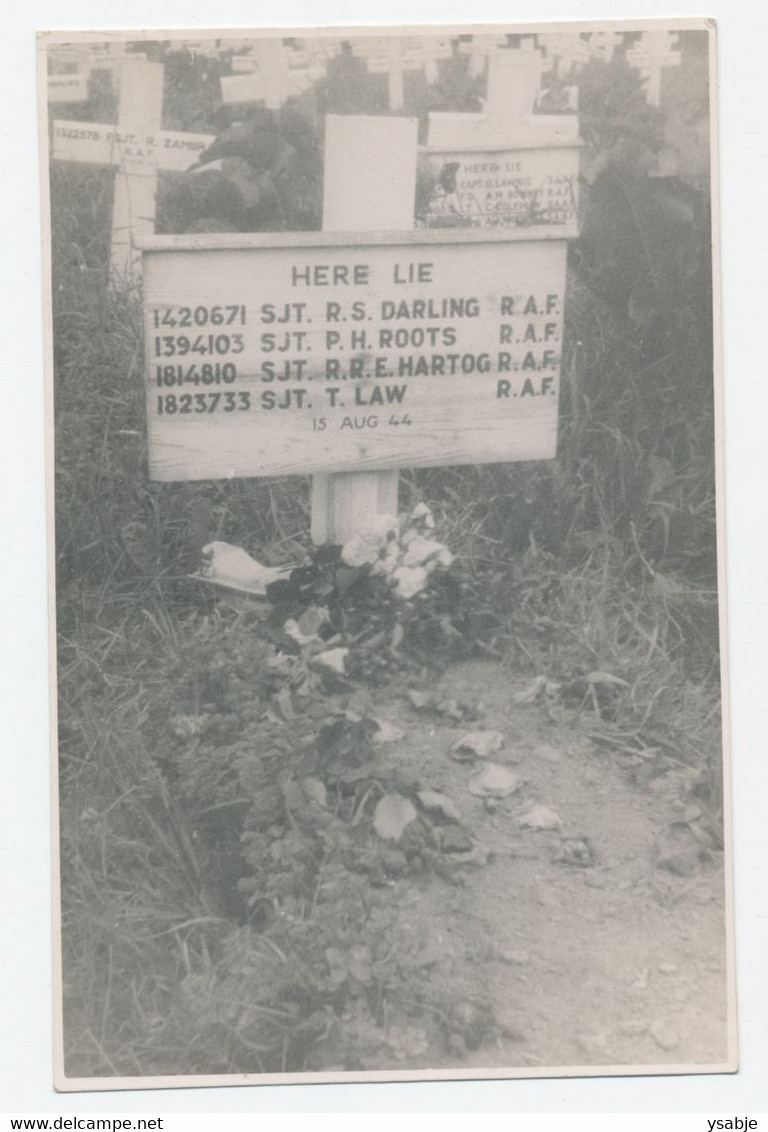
(409, 580)
(421, 513)
(335, 659)
(292, 630)
(363, 549)
(385, 526)
(389, 559)
(420, 550)
(188, 726)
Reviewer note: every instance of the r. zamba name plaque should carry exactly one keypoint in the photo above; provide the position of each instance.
(330, 353)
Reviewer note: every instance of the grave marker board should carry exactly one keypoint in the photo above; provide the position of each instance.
(134, 151)
(286, 355)
(495, 172)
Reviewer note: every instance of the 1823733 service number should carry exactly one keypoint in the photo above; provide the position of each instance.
(182, 404)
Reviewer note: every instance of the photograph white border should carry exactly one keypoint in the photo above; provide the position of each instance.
(746, 453)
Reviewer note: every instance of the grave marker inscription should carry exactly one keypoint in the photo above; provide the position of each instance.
(497, 172)
(286, 355)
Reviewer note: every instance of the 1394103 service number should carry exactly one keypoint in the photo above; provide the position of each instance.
(179, 345)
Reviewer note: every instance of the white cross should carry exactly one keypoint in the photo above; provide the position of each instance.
(603, 44)
(387, 55)
(479, 49)
(655, 51)
(567, 51)
(137, 147)
(109, 56)
(210, 48)
(429, 50)
(267, 76)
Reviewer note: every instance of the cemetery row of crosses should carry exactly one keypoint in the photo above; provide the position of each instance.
(355, 258)
(262, 171)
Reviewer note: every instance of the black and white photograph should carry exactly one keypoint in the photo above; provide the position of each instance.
(387, 579)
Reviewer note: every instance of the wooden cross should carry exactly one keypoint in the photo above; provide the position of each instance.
(109, 57)
(209, 48)
(567, 51)
(138, 148)
(312, 54)
(267, 76)
(603, 44)
(655, 51)
(432, 49)
(385, 56)
(369, 185)
(479, 49)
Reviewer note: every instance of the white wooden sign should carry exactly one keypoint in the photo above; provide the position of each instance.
(271, 355)
(495, 172)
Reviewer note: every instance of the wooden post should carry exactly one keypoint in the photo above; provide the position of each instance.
(369, 185)
(133, 213)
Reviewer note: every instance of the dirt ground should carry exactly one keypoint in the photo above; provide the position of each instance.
(598, 943)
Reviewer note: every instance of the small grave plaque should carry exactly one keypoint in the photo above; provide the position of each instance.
(492, 172)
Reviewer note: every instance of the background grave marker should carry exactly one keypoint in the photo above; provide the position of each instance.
(566, 51)
(393, 56)
(655, 51)
(514, 78)
(511, 172)
(479, 48)
(138, 148)
(266, 75)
